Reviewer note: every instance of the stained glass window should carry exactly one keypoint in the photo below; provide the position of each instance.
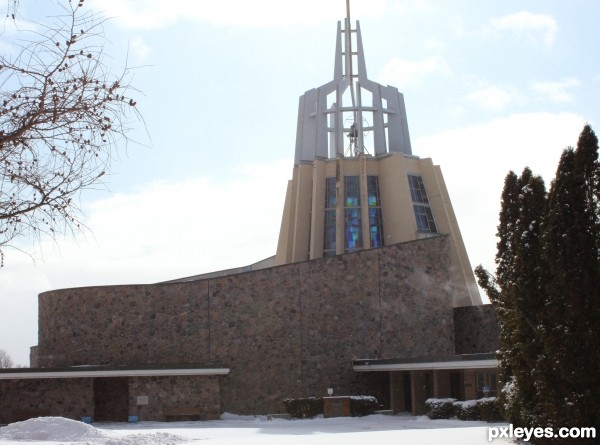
(422, 209)
(375, 227)
(375, 220)
(373, 191)
(329, 242)
(352, 191)
(330, 194)
(353, 228)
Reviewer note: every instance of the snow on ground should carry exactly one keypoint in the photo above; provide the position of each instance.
(251, 430)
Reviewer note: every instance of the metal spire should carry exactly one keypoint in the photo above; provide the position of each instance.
(376, 115)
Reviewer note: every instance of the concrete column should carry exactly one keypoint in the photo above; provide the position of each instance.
(419, 392)
(317, 223)
(397, 391)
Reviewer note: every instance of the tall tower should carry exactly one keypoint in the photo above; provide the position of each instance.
(356, 184)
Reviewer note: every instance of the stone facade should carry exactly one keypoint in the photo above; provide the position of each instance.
(476, 329)
(172, 392)
(286, 331)
(25, 398)
(108, 399)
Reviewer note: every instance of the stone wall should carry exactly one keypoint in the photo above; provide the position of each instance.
(476, 329)
(77, 397)
(124, 325)
(25, 398)
(291, 330)
(174, 392)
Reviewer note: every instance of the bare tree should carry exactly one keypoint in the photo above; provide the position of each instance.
(62, 116)
(5, 360)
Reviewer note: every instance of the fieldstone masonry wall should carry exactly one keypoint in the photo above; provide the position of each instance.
(22, 399)
(173, 392)
(291, 330)
(476, 329)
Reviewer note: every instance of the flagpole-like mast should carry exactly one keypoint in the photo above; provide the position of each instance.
(354, 132)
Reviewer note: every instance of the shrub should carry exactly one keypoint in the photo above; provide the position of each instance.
(489, 409)
(467, 410)
(305, 408)
(440, 408)
(363, 405)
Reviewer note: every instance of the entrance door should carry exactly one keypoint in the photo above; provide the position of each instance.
(111, 399)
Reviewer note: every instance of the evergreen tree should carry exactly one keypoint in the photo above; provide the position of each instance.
(571, 390)
(545, 292)
(516, 292)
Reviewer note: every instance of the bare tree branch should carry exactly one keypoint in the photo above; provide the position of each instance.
(5, 360)
(62, 116)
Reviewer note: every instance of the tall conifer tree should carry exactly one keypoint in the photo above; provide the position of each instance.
(516, 291)
(546, 292)
(571, 390)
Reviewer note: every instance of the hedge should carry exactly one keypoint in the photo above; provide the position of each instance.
(440, 408)
(466, 410)
(309, 407)
(363, 405)
(486, 409)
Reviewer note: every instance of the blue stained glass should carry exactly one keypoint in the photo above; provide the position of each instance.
(353, 229)
(373, 191)
(352, 191)
(375, 227)
(329, 239)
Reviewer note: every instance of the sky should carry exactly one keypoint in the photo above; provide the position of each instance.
(489, 87)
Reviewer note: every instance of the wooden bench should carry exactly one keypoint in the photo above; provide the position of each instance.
(183, 412)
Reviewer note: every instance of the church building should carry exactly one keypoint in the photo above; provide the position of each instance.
(370, 292)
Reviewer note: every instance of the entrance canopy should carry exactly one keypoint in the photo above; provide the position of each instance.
(112, 371)
(464, 361)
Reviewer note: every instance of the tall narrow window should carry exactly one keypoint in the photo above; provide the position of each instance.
(375, 220)
(353, 235)
(423, 213)
(329, 244)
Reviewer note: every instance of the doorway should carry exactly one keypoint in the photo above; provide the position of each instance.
(111, 399)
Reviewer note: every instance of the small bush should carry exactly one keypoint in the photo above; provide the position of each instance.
(440, 408)
(306, 408)
(363, 405)
(467, 410)
(489, 409)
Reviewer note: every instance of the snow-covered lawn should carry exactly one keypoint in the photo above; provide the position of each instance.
(246, 430)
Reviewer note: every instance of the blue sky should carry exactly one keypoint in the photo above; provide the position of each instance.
(489, 86)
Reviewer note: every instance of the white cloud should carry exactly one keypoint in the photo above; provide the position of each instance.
(139, 48)
(402, 72)
(534, 27)
(159, 13)
(166, 230)
(172, 229)
(475, 160)
(557, 91)
(492, 98)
